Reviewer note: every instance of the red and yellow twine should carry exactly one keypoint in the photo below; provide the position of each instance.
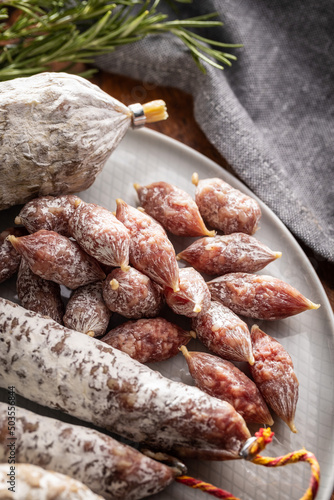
(263, 437)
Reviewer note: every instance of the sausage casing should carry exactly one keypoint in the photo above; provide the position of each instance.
(9, 257)
(39, 295)
(57, 258)
(109, 468)
(80, 375)
(86, 311)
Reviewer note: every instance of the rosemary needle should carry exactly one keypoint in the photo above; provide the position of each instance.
(36, 33)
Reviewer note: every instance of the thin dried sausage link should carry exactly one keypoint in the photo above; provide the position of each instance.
(148, 340)
(132, 294)
(101, 235)
(226, 208)
(55, 257)
(224, 333)
(193, 298)
(48, 212)
(151, 252)
(175, 209)
(274, 375)
(39, 295)
(222, 379)
(230, 253)
(259, 296)
(9, 257)
(109, 468)
(45, 361)
(86, 311)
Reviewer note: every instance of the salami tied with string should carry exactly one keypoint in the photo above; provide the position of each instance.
(45, 361)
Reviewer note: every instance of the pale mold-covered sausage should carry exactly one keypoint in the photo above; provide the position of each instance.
(226, 208)
(86, 311)
(109, 468)
(48, 212)
(229, 253)
(9, 257)
(57, 132)
(39, 295)
(151, 252)
(148, 340)
(222, 379)
(259, 296)
(132, 294)
(193, 297)
(224, 333)
(274, 375)
(175, 209)
(82, 376)
(101, 235)
(57, 258)
(35, 483)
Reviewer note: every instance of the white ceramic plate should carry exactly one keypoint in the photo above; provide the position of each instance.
(144, 157)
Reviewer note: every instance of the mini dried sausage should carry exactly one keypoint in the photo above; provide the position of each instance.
(151, 252)
(101, 235)
(48, 212)
(148, 340)
(225, 381)
(45, 361)
(226, 208)
(39, 295)
(86, 311)
(193, 297)
(274, 375)
(132, 294)
(55, 257)
(230, 253)
(224, 333)
(173, 208)
(261, 297)
(9, 257)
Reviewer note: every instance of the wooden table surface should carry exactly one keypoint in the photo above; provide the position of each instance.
(182, 126)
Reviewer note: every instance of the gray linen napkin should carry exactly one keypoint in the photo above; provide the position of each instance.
(271, 115)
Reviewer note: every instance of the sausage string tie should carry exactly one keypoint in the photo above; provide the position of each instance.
(251, 452)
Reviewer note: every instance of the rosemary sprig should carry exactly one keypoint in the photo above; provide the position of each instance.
(36, 33)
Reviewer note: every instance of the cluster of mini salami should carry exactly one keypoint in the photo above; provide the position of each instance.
(124, 263)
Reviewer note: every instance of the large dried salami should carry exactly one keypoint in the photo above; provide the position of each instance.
(80, 375)
(109, 468)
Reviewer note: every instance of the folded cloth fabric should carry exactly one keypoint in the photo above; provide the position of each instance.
(271, 115)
